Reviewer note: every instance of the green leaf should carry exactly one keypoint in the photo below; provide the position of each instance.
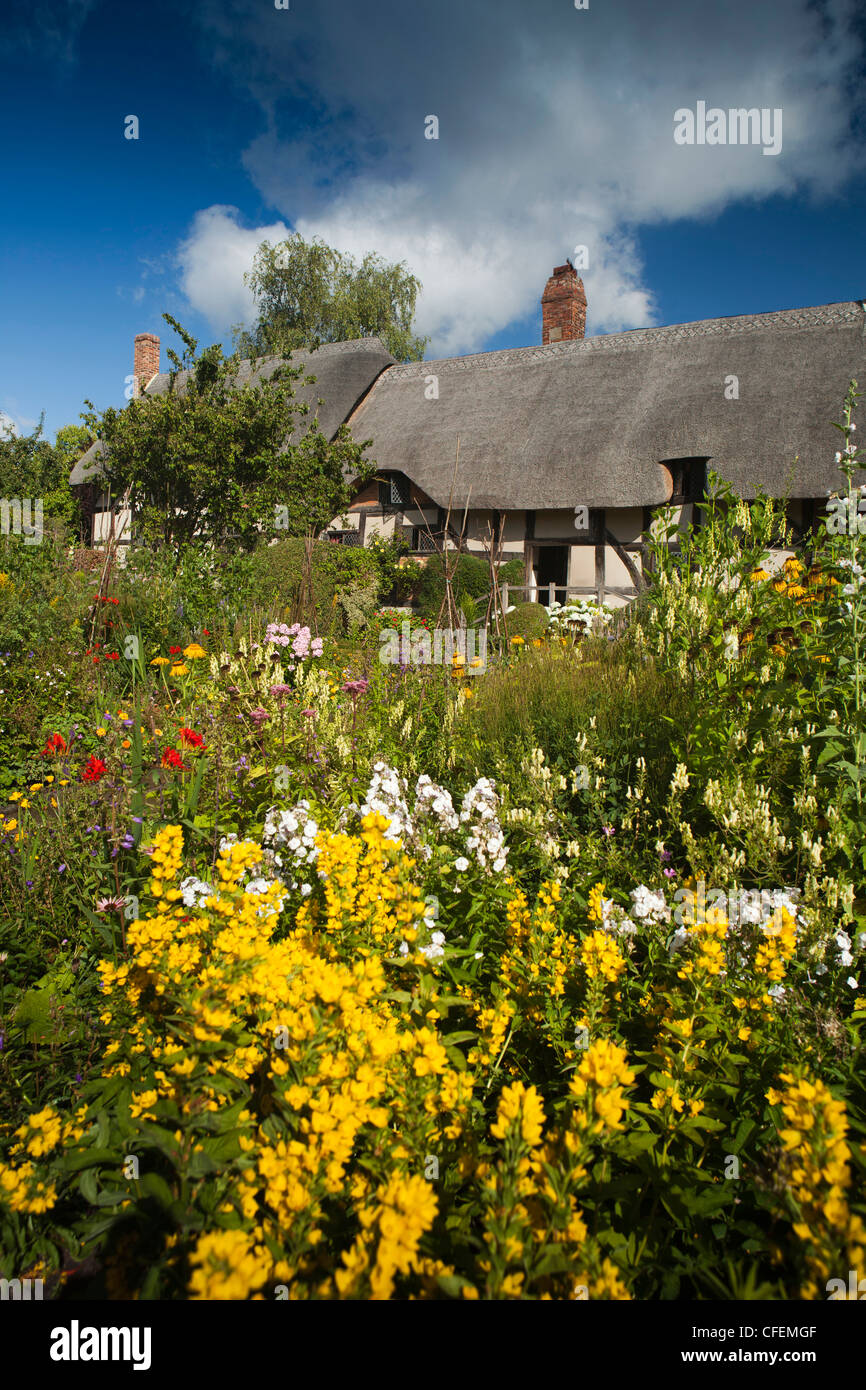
(152, 1185)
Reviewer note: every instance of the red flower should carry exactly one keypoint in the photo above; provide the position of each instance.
(96, 661)
(175, 651)
(205, 632)
(56, 744)
(95, 770)
(171, 758)
(191, 738)
(112, 656)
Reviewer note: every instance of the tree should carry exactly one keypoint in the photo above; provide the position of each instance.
(307, 293)
(217, 461)
(30, 468)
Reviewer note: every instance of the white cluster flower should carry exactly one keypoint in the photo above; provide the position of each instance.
(195, 892)
(479, 813)
(294, 831)
(433, 802)
(648, 905)
(386, 795)
(843, 941)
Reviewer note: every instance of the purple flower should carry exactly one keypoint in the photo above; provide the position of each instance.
(669, 873)
(354, 688)
(665, 855)
(608, 830)
(61, 868)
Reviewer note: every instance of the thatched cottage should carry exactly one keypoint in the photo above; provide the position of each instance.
(566, 448)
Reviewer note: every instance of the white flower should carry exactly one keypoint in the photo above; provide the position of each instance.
(777, 992)
(195, 892)
(461, 864)
(852, 982)
(677, 941)
(434, 951)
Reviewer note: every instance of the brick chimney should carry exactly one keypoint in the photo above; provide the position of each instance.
(146, 362)
(563, 306)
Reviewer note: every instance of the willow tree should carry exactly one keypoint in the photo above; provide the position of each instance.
(307, 293)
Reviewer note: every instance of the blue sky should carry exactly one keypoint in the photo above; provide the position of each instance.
(555, 130)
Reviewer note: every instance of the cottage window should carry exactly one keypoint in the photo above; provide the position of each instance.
(394, 491)
(689, 478)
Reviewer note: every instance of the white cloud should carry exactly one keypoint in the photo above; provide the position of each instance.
(556, 128)
(13, 422)
(212, 262)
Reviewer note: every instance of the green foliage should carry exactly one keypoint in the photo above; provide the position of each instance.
(512, 572)
(31, 469)
(470, 578)
(307, 294)
(208, 459)
(529, 620)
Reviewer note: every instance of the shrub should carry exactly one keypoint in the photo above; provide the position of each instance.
(528, 621)
(471, 579)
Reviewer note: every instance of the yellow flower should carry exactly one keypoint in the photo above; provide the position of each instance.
(160, 661)
(523, 1103)
(179, 670)
(194, 652)
(100, 733)
(596, 897)
(757, 575)
(602, 957)
(517, 641)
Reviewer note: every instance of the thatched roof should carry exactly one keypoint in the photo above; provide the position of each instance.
(588, 421)
(344, 372)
